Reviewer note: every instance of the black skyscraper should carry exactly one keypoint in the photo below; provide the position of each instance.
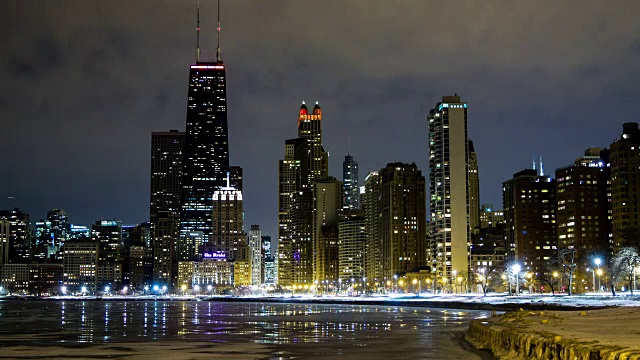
(206, 148)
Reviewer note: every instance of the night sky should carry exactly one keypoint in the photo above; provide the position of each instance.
(84, 83)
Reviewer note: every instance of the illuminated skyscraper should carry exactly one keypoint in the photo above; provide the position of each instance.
(228, 223)
(529, 201)
(403, 219)
(206, 148)
(625, 184)
(351, 199)
(5, 241)
(255, 252)
(583, 196)
(305, 162)
(449, 186)
(372, 206)
(19, 235)
(166, 172)
(474, 191)
(327, 207)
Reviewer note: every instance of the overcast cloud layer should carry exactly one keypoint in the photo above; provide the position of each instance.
(85, 82)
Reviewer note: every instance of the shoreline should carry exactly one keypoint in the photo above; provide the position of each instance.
(495, 303)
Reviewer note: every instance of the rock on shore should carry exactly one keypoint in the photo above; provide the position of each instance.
(609, 334)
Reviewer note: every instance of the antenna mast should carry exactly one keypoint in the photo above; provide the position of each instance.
(218, 55)
(198, 36)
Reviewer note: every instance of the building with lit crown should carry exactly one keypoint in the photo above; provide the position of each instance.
(305, 162)
(206, 147)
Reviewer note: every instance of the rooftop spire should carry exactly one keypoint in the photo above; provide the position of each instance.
(198, 35)
(541, 168)
(218, 52)
(534, 163)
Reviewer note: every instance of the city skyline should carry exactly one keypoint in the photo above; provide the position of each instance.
(90, 157)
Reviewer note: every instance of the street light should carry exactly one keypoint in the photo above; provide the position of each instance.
(83, 290)
(106, 289)
(599, 275)
(415, 281)
(209, 288)
(516, 268)
(395, 278)
(598, 261)
(63, 290)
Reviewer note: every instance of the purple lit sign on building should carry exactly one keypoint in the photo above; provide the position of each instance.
(215, 255)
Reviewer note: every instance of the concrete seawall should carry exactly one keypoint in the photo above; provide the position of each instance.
(539, 335)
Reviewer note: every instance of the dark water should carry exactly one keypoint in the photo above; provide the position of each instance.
(223, 330)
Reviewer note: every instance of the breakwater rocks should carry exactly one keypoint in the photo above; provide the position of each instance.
(609, 334)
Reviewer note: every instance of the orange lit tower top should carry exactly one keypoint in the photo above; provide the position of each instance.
(310, 128)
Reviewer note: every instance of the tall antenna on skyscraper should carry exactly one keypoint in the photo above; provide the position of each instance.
(534, 162)
(349, 145)
(218, 55)
(541, 168)
(198, 36)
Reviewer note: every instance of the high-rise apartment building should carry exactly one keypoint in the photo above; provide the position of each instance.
(449, 186)
(164, 238)
(351, 198)
(583, 197)
(5, 241)
(206, 145)
(60, 226)
(352, 242)
(19, 235)
(80, 264)
(108, 233)
(625, 183)
(255, 252)
(268, 261)
(474, 191)
(328, 204)
(372, 207)
(490, 217)
(529, 202)
(166, 172)
(289, 182)
(403, 219)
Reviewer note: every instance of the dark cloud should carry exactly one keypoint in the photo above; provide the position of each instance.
(85, 83)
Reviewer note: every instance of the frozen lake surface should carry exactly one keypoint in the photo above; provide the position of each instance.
(225, 330)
